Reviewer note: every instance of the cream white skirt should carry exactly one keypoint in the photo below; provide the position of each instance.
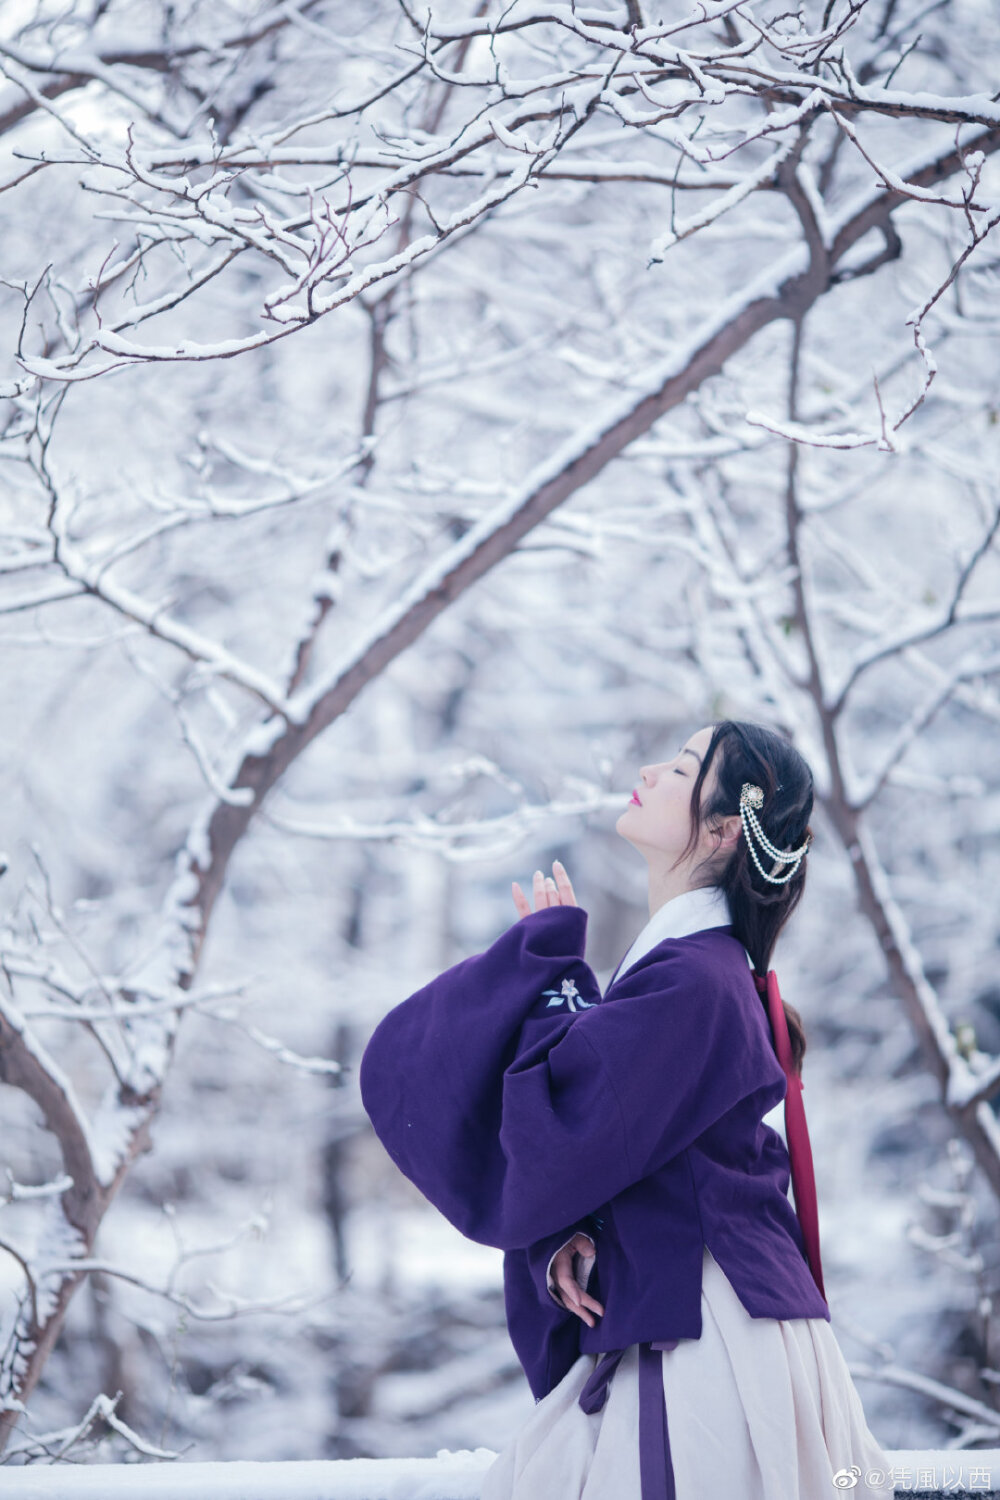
(763, 1408)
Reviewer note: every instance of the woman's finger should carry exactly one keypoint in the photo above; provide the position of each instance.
(562, 1274)
(539, 892)
(520, 900)
(564, 885)
(570, 1294)
(566, 1286)
(552, 891)
(572, 1302)
(587, 1301)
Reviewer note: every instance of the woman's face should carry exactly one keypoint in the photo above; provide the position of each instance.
(657, 821)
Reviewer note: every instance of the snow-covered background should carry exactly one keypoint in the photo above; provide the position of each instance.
(207, 528)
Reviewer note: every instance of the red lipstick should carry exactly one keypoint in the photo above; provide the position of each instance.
(635, 798)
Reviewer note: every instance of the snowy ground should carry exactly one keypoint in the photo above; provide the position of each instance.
(449, 1476)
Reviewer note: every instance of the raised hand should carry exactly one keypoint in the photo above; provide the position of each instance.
(546, 891)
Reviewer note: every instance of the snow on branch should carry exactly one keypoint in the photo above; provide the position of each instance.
(933, 624)
(961, 1086)
(25, 1064)
(55, 1446)
(227, 1305)
(322, 1066)
(456, 841)
(969, 666)
(196, 210)
(765, 175)
(92, 579)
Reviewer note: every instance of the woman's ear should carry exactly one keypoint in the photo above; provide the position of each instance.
(730, 830)
(726, 832)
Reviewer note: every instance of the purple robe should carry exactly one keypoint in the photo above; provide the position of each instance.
(525, 1106)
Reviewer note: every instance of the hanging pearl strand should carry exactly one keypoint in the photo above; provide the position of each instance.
(752, 797)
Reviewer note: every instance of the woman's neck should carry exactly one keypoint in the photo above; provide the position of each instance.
(664, 885)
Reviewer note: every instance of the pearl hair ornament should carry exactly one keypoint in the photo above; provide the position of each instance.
(752, 797)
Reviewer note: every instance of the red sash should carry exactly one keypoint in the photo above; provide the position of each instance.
(799, 1153)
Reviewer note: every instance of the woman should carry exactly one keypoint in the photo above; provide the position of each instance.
(656, 1282)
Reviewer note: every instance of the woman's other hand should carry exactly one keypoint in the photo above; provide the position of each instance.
(571, 1269)
(546, 891)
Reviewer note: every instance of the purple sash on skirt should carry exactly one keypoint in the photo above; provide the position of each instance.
(656, 1471)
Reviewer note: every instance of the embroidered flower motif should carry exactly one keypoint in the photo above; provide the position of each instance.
(568, 995)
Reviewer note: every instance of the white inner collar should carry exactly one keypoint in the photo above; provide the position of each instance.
(691, 911)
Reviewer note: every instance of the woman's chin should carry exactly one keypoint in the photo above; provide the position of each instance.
(622, 824)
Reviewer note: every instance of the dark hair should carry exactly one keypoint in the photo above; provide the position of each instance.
(740, 752)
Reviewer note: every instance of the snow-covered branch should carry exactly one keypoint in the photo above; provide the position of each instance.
(916, 634)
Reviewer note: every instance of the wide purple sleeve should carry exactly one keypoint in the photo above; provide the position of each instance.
(432, 1076)
(517, 1125)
